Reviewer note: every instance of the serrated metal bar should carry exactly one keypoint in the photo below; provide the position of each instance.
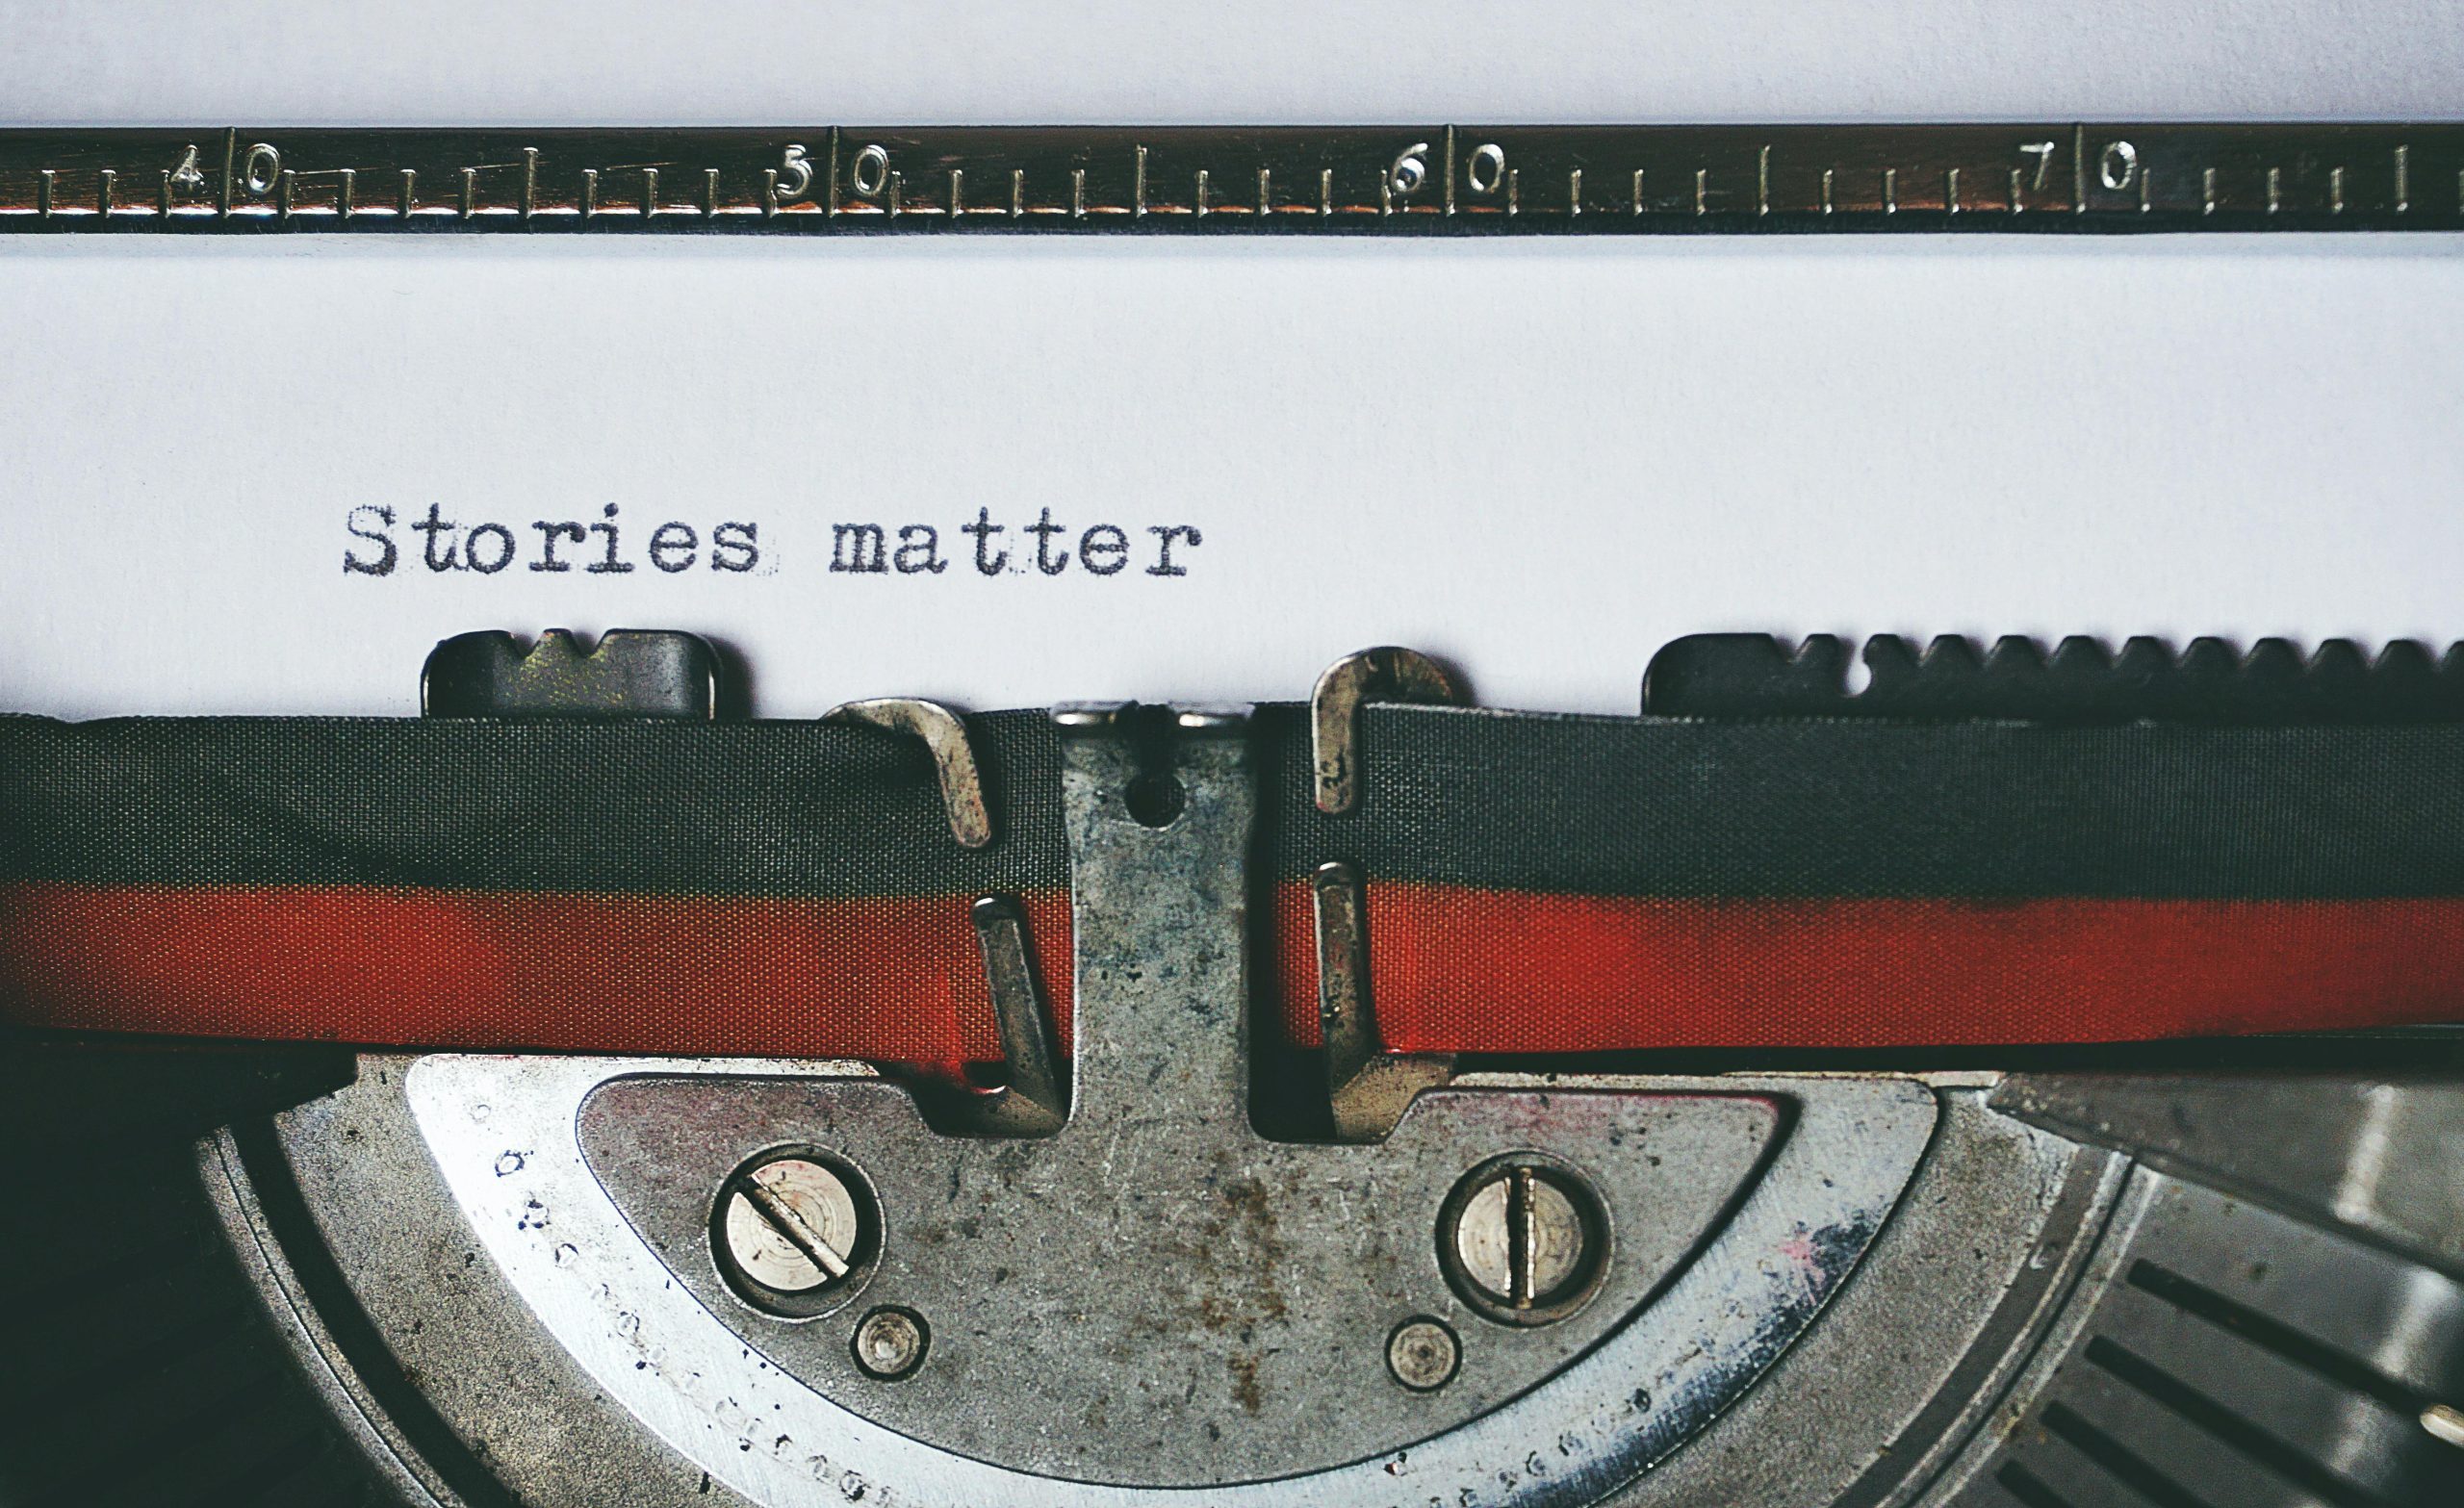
(1375, 180)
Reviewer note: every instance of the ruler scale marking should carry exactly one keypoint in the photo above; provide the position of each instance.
(1829, 179)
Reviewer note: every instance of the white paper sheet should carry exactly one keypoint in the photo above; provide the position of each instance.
(1539, 459)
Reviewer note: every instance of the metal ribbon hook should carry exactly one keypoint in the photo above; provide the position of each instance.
(1368, 1089)
(1033, 1100)
(945, 734)
(1385, 674)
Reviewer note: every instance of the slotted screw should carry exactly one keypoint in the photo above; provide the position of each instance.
(1523, 1238)
(792, 1225)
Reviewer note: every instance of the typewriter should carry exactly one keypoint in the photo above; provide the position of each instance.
(2022, 1080)
(1995, 1075)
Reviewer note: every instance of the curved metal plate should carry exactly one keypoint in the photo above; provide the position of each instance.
(1184, 1308)
(505, 1134)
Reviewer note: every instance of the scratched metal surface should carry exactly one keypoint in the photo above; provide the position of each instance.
(1381, 180)
(1955, 1290)
(1154, 1304)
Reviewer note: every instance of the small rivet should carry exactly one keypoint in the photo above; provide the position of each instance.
(1422, 1354)
(889, 1342)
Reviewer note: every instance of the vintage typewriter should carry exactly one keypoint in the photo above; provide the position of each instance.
(2028, 1078)
(2017, 1081)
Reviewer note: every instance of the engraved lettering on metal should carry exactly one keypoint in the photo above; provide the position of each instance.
(2043, 152)
(2117, 166)
(263, 168)
(1080, 179)
(795, 174)
(1408, 171)
(869, 174)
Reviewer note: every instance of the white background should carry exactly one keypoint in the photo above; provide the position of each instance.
(1539, 459)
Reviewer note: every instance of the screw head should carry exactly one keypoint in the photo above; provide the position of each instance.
(890, 1343)
(1524, 1239)
(795, 1233)
(1422, 1354)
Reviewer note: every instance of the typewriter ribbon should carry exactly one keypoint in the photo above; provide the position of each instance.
(1532, 883)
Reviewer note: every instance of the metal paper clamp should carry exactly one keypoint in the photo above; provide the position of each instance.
(1385, 674)
(944, 735)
